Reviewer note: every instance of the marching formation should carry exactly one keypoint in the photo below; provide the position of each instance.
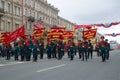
(26, 49)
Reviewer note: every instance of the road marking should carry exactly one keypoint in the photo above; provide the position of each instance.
(50, 68)
(11, 63)
(1, 65)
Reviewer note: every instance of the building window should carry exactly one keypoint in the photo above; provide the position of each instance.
(3, 25)
(15, 10)
(16, 26)
(18, 11)
(8, 27)
(9, 8)
(2, 4)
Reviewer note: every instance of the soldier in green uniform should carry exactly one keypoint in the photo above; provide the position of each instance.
(85, 49)
(108, 49)
(16, 52)
(49, 50)
(60, 50)
(35, 52)
(41, 47)
(102, 48)
(71, 51)
(90, 49)
(80, 48)
(29, 45)
(54, 47)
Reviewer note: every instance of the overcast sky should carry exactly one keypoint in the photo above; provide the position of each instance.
(91, 12)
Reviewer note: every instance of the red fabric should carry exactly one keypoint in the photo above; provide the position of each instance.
(82, 26)
(83, 44)
(38, 26)
(89, 34)
(21, 31)
(21, 42)
(27, 42)
(13, 36)
(102, 43)
(34, 41)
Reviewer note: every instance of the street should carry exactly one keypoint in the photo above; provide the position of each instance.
(53, 69)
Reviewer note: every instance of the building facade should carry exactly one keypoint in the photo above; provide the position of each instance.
(10, 15)
(15, 13)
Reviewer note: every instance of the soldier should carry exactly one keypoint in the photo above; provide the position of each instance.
(102, 48)
(71, 51)
(85, 49)
(108, 49)
(22, 49)
(41, 47)
(80, 48)
(54, 47)
(60, 50)
(68, 49)
(28, 48)
(16, 52)
(49, 50)
(90, 49)
(97, 49)
(35, 52)
(8, 51)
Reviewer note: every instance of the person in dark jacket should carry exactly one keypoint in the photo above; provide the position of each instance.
(85, 49)
(16, 52)
(107, 48)
(90, 49)
(102, 48)
(49, 50)
(80, 49)
(35, 52)
(72, 52)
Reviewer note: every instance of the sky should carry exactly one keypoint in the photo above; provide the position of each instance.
(91, 12)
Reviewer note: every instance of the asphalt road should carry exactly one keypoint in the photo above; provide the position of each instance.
(63, 69)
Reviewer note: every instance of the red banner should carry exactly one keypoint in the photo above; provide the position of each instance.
(107, 25)
(67, 35)
(59, 30)
(21, 31)
(55, 33)
(113, 34)
(13, 36)
(53, 36)
(38, 32)
(89, 34)
(3, 36)
(82, 26)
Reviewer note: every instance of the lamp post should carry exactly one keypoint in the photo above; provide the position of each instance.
(31, 19)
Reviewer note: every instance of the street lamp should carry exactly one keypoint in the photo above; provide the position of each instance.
(31, 19)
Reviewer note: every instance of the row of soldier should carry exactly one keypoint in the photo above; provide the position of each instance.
(54, 49)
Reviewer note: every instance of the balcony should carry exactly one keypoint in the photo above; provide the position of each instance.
(31, 19)
(2, 12)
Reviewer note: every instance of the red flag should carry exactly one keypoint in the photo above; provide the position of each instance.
(21, 31)
(38, 26)
(89, 34)
(13, 36)
(67, 35)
